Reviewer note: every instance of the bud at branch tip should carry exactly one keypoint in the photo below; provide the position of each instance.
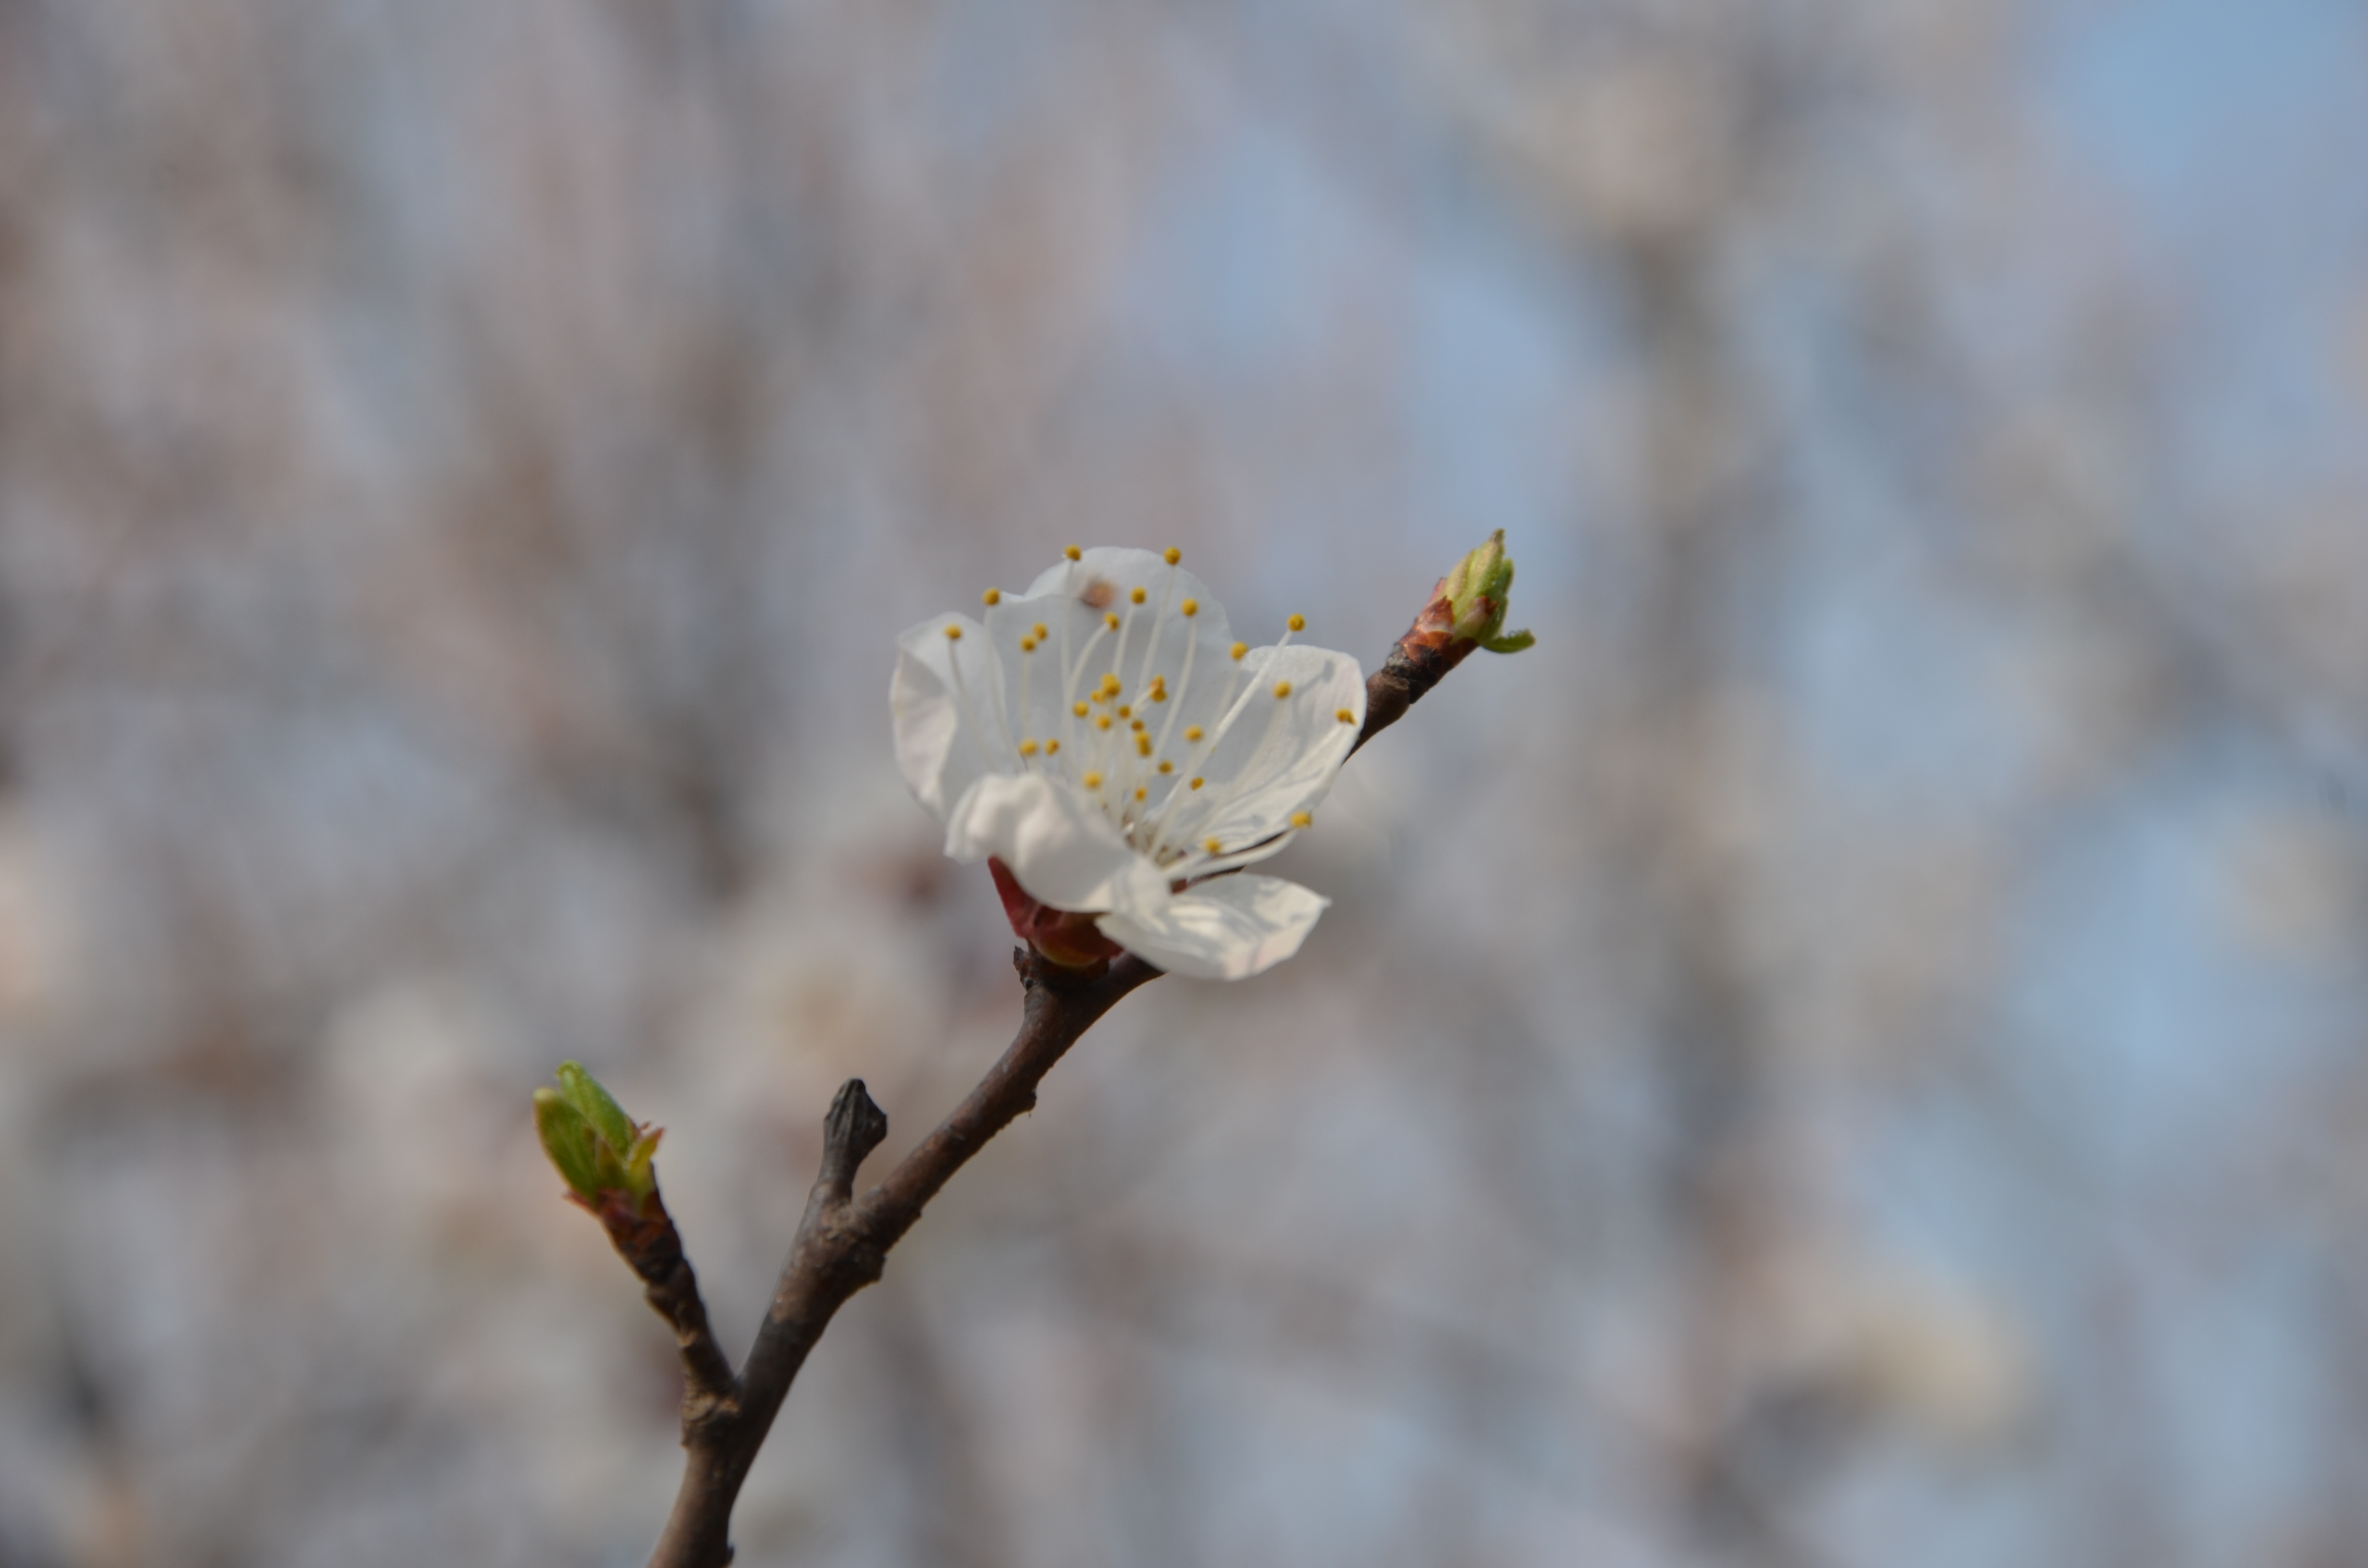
(596, 1148)
(1475, 593)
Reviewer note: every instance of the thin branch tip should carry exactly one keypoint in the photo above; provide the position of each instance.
(854, 1128)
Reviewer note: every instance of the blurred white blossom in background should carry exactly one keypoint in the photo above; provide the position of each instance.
(1847, 1053)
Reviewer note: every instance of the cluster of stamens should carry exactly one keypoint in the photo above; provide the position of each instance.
(1114, 728)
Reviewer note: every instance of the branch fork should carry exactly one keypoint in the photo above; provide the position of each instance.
(842, 1245)
(843, 1240)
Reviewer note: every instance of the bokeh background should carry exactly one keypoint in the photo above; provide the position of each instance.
(1849, 1054)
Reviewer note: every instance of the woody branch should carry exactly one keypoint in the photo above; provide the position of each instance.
(843, 1239)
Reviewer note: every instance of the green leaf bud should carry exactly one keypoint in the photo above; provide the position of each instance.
(600, 1107)
(569, 1139)
(1476, 592)
(596, 1145)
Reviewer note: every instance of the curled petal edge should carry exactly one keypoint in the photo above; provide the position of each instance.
(1226, 928)
(1058, 847)
(938, 760)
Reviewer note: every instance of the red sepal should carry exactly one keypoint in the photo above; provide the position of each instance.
(1068, 936)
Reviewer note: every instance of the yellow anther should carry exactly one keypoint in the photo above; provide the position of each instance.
(1158, 694)
(1028, 644)
(1239, 649)
(1052, 747)
(1283, 688)
(1301, 819)
(1135, 724)
(1171, 555)
(1344, 716)
(1110, 687)
(1134, 596)
(1102, 721)
(1198, 782)
(1140, 791)
(1190, 607)
(1110, 618)
(1166, 766)
(992, 596)
(1297, 623)
(1210, 844)
(1192, 731)
(1038, 631)
(1072, 551)
(1092, 782)
(1028, 748)
(1143, 745)
(1079, 709)
(1126, 712)
(954, 633)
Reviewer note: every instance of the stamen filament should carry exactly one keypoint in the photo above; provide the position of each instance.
(1209, 864)
(1183, 685)
(1070, 674)
(1068, 682)
(1231, 788)
(1027, 661)
(1125, 629)
(1248, 690)
(1159, 621)
(962, 700)
(1151, 688)
(999, 702)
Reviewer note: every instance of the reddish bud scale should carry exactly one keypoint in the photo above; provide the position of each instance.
(1430, 642)
(1067, 936)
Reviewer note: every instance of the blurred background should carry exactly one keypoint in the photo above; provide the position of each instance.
(1849, 1054)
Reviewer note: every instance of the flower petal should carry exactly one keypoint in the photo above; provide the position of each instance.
(1058, 844)
(1226, 929)
(1123, 569)
(949, 733)
(1069, 632)
(1276, 762)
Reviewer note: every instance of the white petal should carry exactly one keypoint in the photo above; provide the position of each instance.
(1103, 581)
(1229, 928)
(1282, 754)
(1059, 845)
(948, 734)
(1069, 627)
(1123, 569)
(1191, 653)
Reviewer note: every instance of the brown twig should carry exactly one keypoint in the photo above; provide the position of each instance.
(842, 1242)
(645, 1238)
(1419, 661)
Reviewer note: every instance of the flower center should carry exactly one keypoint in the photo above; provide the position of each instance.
(1119, 719)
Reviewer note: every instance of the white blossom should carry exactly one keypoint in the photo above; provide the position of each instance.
(1107, 740)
